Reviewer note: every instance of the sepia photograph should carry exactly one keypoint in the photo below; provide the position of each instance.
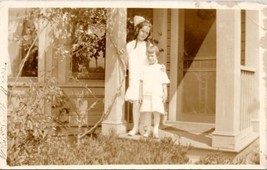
(135, 85)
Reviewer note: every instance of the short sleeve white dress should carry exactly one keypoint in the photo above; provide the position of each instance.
(153, 78)
(137, 60)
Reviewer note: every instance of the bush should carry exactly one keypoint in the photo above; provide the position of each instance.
(214, 158)
(101, 150)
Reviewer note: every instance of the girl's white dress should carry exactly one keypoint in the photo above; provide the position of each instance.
(153, 78)
(137, 60)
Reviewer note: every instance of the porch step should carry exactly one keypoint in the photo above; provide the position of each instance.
(242, 157)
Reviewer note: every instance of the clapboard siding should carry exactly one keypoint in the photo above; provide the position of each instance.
(72, 94)
(243, 36)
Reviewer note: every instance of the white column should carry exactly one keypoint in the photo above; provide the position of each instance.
(114, 74)
(228, 80)
(173, 65)
(262, 87)
(176, 64)
(252, 57)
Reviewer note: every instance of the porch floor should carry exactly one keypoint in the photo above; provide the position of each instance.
(197, 135)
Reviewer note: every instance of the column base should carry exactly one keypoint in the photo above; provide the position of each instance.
(233, 142)
(109, 127)
(255, 125)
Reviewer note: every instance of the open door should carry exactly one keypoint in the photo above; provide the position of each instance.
(198, 79)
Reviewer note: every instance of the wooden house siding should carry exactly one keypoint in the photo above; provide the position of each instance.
(168, 42)
(168, 65)
(243, 36)
(72, 94)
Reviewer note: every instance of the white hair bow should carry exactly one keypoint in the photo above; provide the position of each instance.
(138, 20)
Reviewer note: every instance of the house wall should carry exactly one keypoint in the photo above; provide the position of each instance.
(243, 36)
(72, 94)
(52, 66)
(168, 42)
(168, 52)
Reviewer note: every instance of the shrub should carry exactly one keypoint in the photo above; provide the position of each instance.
(102, 150)
(255, 158)
(27, 124)
(214, 158)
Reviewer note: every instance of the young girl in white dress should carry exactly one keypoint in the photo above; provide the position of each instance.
(153, 90)
(137, 59)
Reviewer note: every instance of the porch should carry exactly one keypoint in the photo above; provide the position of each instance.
(233, 125)
(199, 137)
(195, 134)
(219, 87)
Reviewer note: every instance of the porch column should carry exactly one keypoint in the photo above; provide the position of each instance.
(226, 134)
(114, 73)
(252, 56)
(176, 64)
(262, 87)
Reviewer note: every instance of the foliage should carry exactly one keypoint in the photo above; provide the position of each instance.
(213, 158)
(255, 158)
(110, 149)
(30, 125)
(216, 157)
(78, 33)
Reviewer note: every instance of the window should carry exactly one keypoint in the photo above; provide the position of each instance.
(85, 28)
(89, 45)
(22, 41)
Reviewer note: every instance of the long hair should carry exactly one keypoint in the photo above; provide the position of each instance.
(149, 36)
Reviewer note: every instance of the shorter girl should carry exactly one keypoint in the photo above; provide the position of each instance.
(153, 90)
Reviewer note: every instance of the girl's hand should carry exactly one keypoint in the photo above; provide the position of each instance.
(163, 68)
(164, 99)
(131, 101)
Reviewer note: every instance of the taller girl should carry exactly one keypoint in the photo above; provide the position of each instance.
(137, 59)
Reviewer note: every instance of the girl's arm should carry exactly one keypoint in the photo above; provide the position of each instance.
(165, 93)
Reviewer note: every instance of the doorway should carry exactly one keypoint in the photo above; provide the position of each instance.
(198, 82)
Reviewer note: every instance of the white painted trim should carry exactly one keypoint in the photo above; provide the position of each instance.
(247, 68)
(173, 65)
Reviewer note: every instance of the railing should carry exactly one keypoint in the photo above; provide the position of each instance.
(247, 91)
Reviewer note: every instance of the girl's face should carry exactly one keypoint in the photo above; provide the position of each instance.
(143, 33)
(152, 57)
